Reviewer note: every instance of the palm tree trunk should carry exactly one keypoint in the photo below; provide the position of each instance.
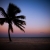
(9, 34)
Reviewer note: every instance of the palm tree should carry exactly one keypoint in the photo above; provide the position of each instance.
(10, 17)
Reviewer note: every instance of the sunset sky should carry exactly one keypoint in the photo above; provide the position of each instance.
(37, 13)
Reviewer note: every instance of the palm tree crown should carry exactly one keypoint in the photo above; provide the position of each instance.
(10, 17)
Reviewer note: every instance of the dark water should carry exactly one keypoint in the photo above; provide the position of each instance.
(26, 39)
(25, 44)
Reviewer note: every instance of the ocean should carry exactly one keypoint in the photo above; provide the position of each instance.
(27, 39)
(25, 43)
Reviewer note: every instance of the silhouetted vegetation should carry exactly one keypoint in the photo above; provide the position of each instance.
(10, 17)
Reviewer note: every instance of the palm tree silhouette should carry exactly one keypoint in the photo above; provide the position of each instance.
(10, 17)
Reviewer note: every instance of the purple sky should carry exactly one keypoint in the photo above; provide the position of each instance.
(37, 14)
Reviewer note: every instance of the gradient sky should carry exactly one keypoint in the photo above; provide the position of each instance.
(37, 14)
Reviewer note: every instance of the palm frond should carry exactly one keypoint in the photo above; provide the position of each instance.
(10, 27)
(20, 21)
(13, 10)
(2, 20)
(21, 16)
(18, 25)
(21, 25)
(3, 12)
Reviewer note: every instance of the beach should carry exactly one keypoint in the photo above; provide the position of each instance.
(25, 44)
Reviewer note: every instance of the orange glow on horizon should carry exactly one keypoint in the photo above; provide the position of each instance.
(4, 29)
